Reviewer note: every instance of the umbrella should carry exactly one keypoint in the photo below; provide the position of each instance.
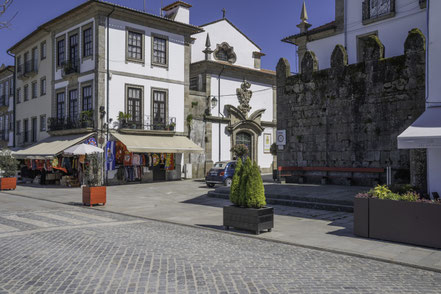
(82, 149)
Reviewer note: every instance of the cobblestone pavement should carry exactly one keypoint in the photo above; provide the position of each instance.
(79, 250)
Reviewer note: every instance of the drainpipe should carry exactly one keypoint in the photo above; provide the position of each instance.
(108, 88)
(219, 108)
(13, 99)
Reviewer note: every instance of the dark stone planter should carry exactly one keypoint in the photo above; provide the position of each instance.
(251, 219)
(399, 221)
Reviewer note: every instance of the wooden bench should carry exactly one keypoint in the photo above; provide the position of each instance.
(287, 171)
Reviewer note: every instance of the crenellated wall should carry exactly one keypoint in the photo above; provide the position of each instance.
(351, 115)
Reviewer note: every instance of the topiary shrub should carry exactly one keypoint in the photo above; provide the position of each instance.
(8, 164)
(235, 185)
(247, 188)
(240, 150)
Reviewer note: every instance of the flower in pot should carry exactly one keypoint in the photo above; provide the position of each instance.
(171, 126)
(123, 118)
(93, 191)
(8, 170)
(247, 194)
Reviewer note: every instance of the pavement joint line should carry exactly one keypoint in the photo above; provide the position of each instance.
(323, 249)
(57, 228)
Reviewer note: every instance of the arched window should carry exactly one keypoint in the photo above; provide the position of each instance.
(245, 139)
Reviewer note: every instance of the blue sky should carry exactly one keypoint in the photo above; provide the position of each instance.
(265, 22)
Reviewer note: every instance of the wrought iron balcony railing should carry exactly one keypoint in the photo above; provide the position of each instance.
(150, 124)
(57, 124)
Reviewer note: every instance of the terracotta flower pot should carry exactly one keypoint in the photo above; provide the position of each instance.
(8, 183)
(94, 195)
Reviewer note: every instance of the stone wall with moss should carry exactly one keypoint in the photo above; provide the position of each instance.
(351, 115)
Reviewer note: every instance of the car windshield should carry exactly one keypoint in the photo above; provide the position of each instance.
(220, 164)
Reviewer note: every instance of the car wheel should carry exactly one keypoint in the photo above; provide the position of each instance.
(228, 182)
(210, 185)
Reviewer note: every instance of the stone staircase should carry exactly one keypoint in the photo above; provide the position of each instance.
(297, 201)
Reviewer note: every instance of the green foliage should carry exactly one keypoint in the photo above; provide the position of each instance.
(240, 150)
(273, 149)
(235, 185)
(8, 164)
(405, 193)
(247, 188)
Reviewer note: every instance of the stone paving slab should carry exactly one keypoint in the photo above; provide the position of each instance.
(132, 255)
(185, 202)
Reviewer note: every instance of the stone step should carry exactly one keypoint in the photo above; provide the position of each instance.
(313, 203)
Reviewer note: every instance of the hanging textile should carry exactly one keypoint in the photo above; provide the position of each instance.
(55, 162)
(39, 164)
(128, 158)
(91, 141)
(82, 158)
(162, 158)
(110, 155)
(136, 160)
(120, 150)
(155, 158)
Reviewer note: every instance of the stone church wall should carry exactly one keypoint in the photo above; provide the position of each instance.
(351, 115)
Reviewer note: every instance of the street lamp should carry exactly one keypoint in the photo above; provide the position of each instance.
(213, 102)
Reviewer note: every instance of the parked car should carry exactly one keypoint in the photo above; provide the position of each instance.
(221, 173)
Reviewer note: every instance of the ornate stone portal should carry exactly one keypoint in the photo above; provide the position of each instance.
(241, 123)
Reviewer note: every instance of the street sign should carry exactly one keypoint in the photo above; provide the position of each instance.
(281, 137)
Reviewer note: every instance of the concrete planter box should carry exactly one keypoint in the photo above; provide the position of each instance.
(94, 195)
(399, 221)
(251, 219)
(8, 183)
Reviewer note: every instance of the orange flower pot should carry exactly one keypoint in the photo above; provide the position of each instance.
(94, 195)
(8, 183)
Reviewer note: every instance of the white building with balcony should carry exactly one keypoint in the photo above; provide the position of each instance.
(114, 74)
(6, 106)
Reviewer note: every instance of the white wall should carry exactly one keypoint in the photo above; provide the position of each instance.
(86, 64)
(221, 32)
(434, 49)
(392, 31)
(175, 70)
(42, 104)
(262, 99)
(434, 170)
(175, 97)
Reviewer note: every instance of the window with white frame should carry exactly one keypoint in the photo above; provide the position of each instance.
(43, 123)
(61, 52)
(18, 98)
(34, 89)
(25, 93)
(43, 86)
(43, 49)
(61, 105)
(73, 104)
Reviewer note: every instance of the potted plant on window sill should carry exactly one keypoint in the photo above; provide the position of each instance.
(93, 192)
(249, 211)
(123, 119)
(8, 167)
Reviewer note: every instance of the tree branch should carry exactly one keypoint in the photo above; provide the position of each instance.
(3, 8)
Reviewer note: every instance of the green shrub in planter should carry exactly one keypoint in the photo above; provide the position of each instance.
(247, 189)
(8, 164)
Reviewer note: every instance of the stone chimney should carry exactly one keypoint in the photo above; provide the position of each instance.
(178, 11)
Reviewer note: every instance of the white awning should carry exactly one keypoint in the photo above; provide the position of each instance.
(50, 147)
(160, 144)
(425, 132)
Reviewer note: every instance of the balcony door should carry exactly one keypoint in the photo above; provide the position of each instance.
(159, 115)
(34, 129)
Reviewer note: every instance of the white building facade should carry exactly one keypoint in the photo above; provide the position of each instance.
(355, 20)
(6, 106)
(225, 65)
(114, 70)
